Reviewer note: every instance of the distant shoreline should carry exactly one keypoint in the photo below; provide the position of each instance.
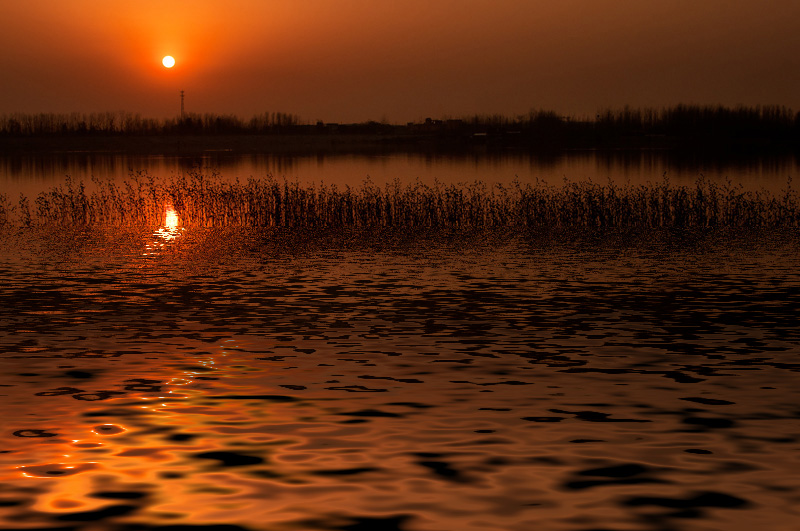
(767, 129)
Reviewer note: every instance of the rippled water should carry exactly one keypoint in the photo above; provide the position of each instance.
(184, 380)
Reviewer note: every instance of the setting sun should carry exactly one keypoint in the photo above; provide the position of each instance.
(168, 61)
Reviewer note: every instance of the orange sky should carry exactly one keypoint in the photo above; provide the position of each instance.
(356, 60)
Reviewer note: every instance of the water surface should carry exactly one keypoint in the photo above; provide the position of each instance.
(33, 173)
(190, 378)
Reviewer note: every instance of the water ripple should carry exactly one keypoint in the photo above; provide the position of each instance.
(491, 387)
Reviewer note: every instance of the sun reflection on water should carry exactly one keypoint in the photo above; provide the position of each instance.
(171, 228)
(166, 233)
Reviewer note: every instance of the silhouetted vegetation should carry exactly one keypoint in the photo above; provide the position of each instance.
(207, 201)
(125, 123)
(681, 126)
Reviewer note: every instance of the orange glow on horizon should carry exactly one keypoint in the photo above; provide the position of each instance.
(406, 61)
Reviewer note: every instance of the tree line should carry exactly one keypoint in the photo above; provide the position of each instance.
(682, 122)
(689, 123)
(129, 123)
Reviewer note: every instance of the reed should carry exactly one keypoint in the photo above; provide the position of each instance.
(209, 201)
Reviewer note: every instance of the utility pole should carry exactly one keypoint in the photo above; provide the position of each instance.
(181, 106)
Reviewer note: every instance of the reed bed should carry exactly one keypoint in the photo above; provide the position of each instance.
(209, 201)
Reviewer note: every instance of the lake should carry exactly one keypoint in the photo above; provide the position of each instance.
(235, 378)
(32, 173)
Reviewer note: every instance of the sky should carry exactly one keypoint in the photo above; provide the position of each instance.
(395, 61)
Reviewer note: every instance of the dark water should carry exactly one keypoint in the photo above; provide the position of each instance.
(37, 172)
(181, 380)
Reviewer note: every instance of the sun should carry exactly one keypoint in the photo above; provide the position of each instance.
(168, 61)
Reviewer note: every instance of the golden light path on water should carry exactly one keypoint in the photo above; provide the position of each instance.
(66, 461)
(166, 233)
(72, 490)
